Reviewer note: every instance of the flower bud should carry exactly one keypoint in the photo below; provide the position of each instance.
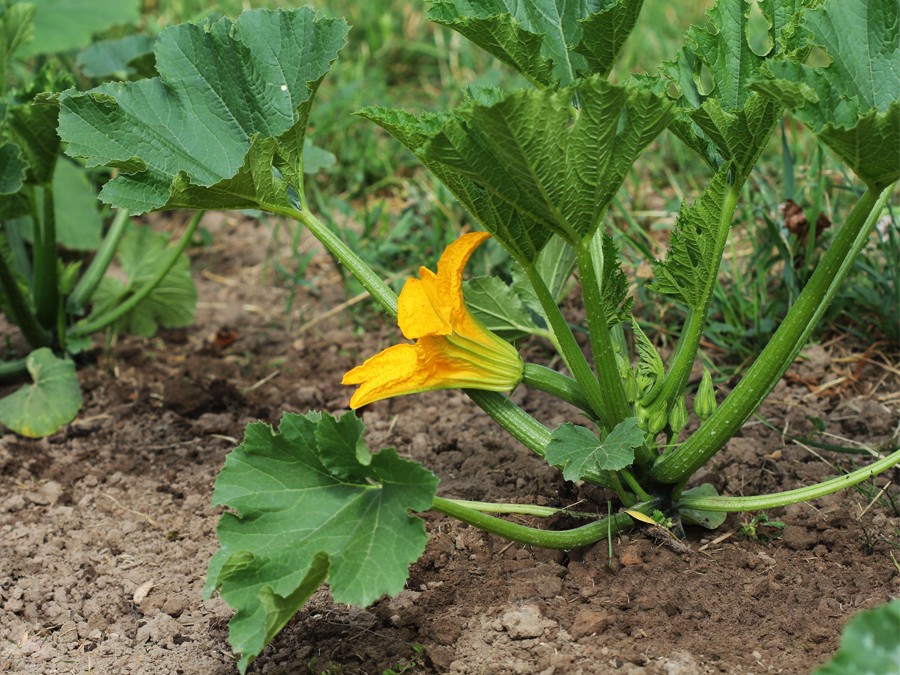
(705, 399)
(657, 422)
(68, 275)
(678, 415)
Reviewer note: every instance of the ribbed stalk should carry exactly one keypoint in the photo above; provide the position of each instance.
(777, 499)
(570, 351)
(92, 276)
(379, 290)
(555, 383)
(779, 353)
(46, 265)
(22, 315)
(566, 539)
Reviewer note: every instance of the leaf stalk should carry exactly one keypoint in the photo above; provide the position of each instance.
(778, 499)
(570, 352)
(565, 540)
(92, 276)
(781, 350)
(92, 325)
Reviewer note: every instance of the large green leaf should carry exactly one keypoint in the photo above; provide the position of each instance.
(729, 121)
(231, 101)
(61, 25)
(560, 165)
(578, 452)
(549, 41)
(870, 644)
(54, 398)
(533, 163)
(854, 103)
(141, 254)
(305, 510)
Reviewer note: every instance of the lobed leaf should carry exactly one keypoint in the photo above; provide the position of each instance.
(551, 42)
(51, 401)
(578, 452)
(297, 523)
(231, 102)
(853, 104)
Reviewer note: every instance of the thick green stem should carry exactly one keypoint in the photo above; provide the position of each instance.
(569, 350)
(781, 350)
(376, 287)
(511, 417)
(634, 485)
(689, 342)
(615, 406)
(566, 540)
(93, 275)
(46, 265)
(97, 323)
(22, 315)
(561, 386)
(771, 501)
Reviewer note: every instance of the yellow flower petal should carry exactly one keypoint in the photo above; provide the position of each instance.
(452, 350)
(379, 375)
(417, 314)
(450, 269)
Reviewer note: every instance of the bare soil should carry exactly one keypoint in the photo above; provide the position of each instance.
(106, 528)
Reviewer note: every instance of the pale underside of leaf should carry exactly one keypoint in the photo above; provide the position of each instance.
(551, 43)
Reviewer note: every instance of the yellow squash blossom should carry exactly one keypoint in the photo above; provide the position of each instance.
(452, 350)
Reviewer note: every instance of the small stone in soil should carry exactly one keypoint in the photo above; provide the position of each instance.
(589, 622)
(525, 622)
(631, 556)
